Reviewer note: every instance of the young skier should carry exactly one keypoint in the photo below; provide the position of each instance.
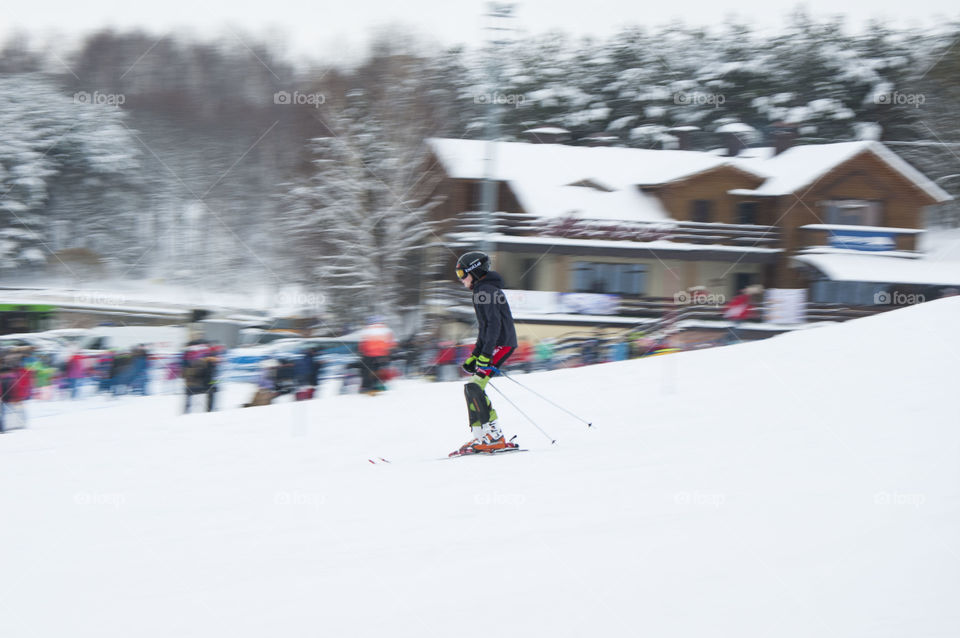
(496, 340)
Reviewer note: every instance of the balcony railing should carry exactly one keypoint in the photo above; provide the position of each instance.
(516, 224)
(666, 309)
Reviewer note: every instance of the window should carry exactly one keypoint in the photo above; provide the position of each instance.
(742, 280)
(617, 279)
(527, 273)
(854, 212)
(747, 213)
(851, 293)
(701, 210)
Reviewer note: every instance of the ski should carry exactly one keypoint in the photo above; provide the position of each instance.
(507, 450)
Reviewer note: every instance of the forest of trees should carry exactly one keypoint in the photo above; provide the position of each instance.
(221, 164)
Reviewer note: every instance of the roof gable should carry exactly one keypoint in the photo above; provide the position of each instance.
(800, 167)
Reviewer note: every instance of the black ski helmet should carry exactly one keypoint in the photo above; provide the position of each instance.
(473, 263)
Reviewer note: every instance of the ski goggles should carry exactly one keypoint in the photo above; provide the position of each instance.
(461, 273)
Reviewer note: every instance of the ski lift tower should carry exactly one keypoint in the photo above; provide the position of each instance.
(499, 29)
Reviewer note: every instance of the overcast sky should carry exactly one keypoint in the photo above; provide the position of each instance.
(325, 29)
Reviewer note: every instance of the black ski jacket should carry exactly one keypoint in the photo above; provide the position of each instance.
(493, 315)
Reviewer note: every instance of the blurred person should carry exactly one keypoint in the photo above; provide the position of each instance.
(102, 370)
(305, 371)
(376, 345)
(199, 367)
(738, 310)
(523, 357)
(121, 372)
(590, 351)
(315, 363)
(543, 353)
(446, 361)
(16, 386)
(42, 372)
(139, 370)
(76, 371)
(496, 341)
(266, 384)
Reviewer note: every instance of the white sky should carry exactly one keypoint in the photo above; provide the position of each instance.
(325, 29)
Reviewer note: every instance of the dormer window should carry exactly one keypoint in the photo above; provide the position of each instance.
(854, 212)
(701, 211)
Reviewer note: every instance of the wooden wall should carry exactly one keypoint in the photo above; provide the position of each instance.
(677, 197)
(862, 177)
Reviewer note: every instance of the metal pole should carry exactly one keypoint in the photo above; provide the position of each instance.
(507, 399)
(559, 407)
(498, 16)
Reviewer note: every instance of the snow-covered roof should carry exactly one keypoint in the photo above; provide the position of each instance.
(564, 164)
(736, 127)
(883, 269)
(547, 130)
(543, 175)
(549, 200)
(800, 167)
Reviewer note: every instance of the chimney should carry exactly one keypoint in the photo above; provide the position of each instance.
(600, 139)
(736, 137)
(684, 135)
(784, 135)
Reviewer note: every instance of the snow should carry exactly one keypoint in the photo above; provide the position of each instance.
(800, 167)
(550, 200)
(941, 244)
(736, 127)
(800, 486)
(883, 269)
(547, 130)
(562, 164)
(541, 175)
(151, 296)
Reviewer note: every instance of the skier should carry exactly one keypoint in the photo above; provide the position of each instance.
(496, 340)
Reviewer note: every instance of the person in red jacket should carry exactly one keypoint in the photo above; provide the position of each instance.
(16, 386)
(738, 310)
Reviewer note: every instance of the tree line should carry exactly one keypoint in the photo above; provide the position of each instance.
(221, 163)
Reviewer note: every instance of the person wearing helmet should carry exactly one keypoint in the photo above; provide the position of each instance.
(496, 341)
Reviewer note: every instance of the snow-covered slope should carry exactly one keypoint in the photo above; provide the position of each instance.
(807, 485)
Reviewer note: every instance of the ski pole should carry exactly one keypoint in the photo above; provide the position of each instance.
(559, 407)
(507, 399)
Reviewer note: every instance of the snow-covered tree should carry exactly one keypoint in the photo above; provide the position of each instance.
(358, 226)
(56, 145)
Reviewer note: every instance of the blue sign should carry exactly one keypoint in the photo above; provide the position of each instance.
(869, 240)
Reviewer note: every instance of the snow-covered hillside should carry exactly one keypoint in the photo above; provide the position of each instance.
(808, 485)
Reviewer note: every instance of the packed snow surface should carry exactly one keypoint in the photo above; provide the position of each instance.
(807, 485)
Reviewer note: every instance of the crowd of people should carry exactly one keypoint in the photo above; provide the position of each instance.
(199, 369)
